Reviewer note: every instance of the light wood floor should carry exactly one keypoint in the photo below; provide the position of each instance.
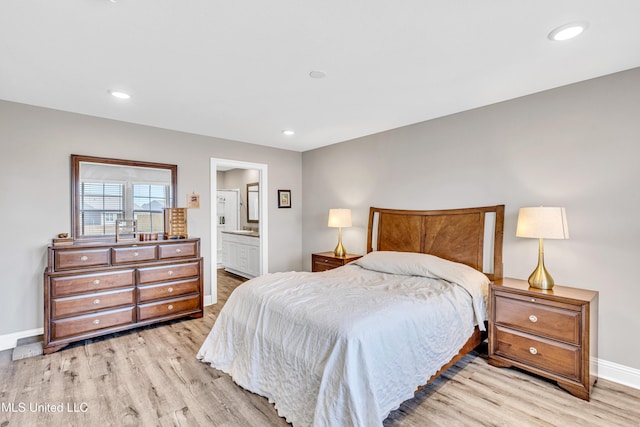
(151, 377)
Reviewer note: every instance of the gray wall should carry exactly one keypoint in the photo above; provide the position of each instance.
(35, 144)
(577, 146)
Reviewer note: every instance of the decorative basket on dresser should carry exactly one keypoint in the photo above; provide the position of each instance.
(551, 333)
(175, 223)
(94, 289)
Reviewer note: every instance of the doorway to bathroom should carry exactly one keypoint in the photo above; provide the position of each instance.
(245, 218)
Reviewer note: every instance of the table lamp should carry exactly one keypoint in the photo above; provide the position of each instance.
(542, 223)
(339, 218)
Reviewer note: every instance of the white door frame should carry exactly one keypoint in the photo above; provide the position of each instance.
(262, 225)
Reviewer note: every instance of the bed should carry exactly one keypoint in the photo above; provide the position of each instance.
(347, 346)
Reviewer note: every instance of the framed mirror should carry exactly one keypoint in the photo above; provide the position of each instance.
(253, 202)
(105, 190)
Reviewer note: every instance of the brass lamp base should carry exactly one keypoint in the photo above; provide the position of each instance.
(340, 251)
(540, 278)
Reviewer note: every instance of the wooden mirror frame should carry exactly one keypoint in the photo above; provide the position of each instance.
(253, 184)
(76, 160)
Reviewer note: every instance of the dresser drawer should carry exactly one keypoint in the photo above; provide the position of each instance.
(168, 290)
(73, 306)
(539, 318)
(558, 358)
(81, 258)
(168, 307)
(169, 272)
(83, 283)
(178, 250)
(133, 254)
(91, 322)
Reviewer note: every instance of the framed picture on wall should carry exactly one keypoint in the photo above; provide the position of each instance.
(193, 201)
(284, 198)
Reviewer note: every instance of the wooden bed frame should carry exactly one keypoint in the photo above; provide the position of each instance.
(454, 234)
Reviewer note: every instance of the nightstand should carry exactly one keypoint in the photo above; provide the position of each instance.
(551, 333)
(327, 260)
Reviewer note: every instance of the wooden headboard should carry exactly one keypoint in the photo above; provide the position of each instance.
(454, 234)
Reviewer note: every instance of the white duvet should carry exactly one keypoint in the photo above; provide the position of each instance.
(346, 346)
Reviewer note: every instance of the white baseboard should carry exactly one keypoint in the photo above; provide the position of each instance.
(9, 341)
(619, 373)
(208, 300)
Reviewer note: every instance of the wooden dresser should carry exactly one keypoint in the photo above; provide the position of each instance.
(327, 260)
(552, 333)
(93, 289)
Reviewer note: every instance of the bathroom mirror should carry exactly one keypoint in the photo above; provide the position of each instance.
(104, 190)
(253, 204)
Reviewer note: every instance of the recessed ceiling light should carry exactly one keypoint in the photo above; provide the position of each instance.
(288, 132)
(317, 74)
(120, 95)
(568, 31)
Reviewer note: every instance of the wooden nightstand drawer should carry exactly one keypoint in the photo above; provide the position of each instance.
(538, 318)
(327, 260)
(558, 358)
(323, 263)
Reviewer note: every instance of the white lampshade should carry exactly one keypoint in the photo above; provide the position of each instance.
(339, 218)
(542, 223)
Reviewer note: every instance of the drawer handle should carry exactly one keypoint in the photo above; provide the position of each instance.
(170, 307)
(533, 300)
(96, 282)
(136, 254)
(533, 350)
(96, 322)
(178, 250)
(83, 258)
(170, 272)
(533, 318)
(96, 301)
(169, 290)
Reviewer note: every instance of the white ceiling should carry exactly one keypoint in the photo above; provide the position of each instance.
(239, 69)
